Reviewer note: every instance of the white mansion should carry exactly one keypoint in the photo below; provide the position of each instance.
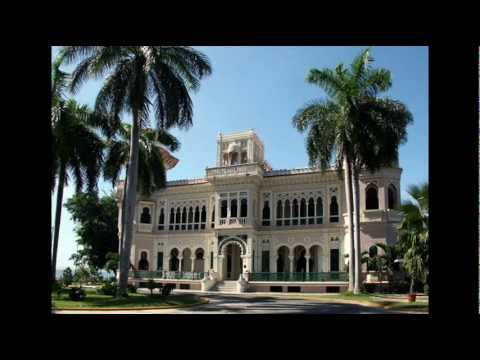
(246, 227)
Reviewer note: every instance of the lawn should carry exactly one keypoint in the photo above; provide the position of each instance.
(94, 300)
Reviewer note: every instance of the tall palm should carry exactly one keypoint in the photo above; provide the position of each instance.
(372, 128)
(139, 78)
(414, 235)
(328, 138)
(154, 159)
(76, 147)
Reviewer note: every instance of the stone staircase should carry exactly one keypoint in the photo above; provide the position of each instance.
(226, 286)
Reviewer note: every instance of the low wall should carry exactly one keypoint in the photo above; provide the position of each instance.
(255, 286)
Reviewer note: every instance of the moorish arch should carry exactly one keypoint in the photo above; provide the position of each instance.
(232, 240)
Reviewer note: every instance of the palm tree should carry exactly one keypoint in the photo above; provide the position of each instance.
(372, 128)
(414, 235)
(327, 138)
(140, 77)
(154, 159)
(76, 147)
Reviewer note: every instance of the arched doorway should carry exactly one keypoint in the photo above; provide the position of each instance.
(199, 262)
(233, 262)
(300, 261)
(173, 266)
(283, 261)
(186, 260)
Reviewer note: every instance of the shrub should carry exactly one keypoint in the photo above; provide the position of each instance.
(67, 276)
(77, 294)
(425, 289)
(369, 288)
(132, 288)
(399, 286)
(108, 288)
(151, 285)
(347, 293)
(167, 289)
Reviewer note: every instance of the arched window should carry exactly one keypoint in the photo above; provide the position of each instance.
(190, 218)
(243, 208)
(287, 212)
(212, 225)
(143, 263)
(279, 213)
(177, 217)
(145, 217)
(333, 209)
(161, 220)
(172, 218)
(303, 211)
(203, 217)
(196, 218)
(244, 157)
(233, 208)
(234, 157)
(223, 208)
(266, 214)
(174, 260)
(371, 197)
(184, 218)
(295, 212)
(319, 211)
(392, 197)
(311, 211)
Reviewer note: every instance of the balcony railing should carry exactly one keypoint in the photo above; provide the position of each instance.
(171, 275)
(232, 221)
(299, 276)
(242, 169)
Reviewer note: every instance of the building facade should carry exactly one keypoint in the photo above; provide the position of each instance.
(247, 227)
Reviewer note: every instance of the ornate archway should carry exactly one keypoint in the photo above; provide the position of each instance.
(232, 253)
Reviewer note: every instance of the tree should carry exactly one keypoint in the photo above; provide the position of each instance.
(151, 162)
(112, 262)
(67, 276)
(414, 235)
(96, 226)
(140, 77)
(362, 130)
(76, 147)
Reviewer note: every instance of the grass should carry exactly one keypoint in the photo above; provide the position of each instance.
(97, 301)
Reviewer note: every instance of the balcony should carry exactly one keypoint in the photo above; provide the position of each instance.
(167, 275)
(235, 170)
(232, 222)
(381, 215)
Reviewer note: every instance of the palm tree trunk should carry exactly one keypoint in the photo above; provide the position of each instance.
(412, 282)
(122, 220)
(130, 203)
(348, 191)
(356, 227)
(58, 213)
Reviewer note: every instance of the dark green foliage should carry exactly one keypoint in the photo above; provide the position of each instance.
(77, 294)
(132, 289)
(167, 289)
(67, 276)
(108, 288)
(151, 285)
(96, 229)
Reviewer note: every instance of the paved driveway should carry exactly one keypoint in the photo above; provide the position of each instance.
(238, 304)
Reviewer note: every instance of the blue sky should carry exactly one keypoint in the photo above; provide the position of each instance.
(261, 88)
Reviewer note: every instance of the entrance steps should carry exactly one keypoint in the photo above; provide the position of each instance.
(226, 286)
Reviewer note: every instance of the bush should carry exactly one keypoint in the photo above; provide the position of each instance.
(132, 288)
(425, 289)
(399, 286)
(151, 285)
(77, 294)
(167, 289)
(108, 288)
(67, 276)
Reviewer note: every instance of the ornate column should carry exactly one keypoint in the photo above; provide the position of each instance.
(180, 258)
(290, 258)
(220, 260)
(307, 270)
(192, 259)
